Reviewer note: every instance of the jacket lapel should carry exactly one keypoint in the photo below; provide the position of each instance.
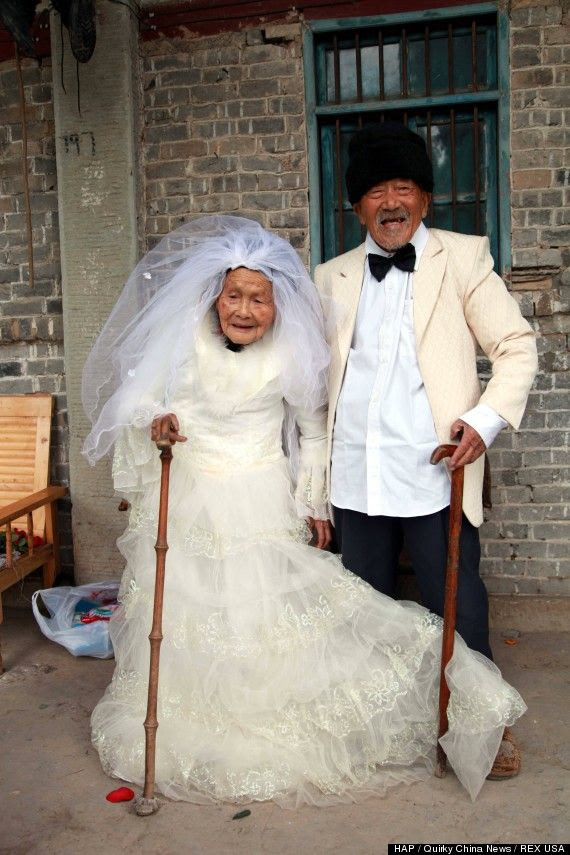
(346, 293)
(427, 284)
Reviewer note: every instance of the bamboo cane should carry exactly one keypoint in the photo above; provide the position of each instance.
(147, 803)
(450, 602)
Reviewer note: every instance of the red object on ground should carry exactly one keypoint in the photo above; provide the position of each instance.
(122, 794)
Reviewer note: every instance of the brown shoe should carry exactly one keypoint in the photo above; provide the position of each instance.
(508, 760)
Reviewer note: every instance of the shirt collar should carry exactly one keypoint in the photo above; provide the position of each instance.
(419, 240)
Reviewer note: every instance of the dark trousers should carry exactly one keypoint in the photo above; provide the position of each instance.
(371, 545)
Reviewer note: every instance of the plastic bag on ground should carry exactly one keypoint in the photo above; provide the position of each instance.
(86, 639)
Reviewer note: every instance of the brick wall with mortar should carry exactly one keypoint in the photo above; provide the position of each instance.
(31, 331)
(225, 131)
(525, 541)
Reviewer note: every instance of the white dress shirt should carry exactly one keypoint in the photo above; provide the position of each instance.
(384, 432)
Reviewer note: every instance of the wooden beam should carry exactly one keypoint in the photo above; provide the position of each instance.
(22, 566)
(206, 17)
(30, 503)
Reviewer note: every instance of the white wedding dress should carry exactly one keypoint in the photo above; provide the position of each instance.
(282, 675)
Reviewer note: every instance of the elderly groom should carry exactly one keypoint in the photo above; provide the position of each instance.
(412, 304)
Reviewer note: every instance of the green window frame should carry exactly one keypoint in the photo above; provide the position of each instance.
(442, 72)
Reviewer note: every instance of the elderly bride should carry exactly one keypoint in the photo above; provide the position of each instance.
(283, 676)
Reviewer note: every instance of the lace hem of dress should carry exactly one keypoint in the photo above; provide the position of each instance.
(478, 707)
(275, 781)
(290, 629)
(340, 710)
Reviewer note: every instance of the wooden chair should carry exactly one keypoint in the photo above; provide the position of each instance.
(26, 501)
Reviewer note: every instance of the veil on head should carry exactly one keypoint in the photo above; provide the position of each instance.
(132, 371)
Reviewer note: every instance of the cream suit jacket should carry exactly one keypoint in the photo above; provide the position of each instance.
(459, 302)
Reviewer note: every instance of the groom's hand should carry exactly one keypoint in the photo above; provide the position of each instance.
(322, 532)
(470, 447)
(166, 425)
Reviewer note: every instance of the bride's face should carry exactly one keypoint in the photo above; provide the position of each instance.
(245, 307)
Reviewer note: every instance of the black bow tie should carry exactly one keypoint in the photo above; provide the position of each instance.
(403, 259)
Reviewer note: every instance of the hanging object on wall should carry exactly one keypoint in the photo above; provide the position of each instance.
(78, 16)
(62, 8)
(82, 34)
(18, 16)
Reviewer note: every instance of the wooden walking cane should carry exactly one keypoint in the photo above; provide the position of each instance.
(450, 602)
(148, 803)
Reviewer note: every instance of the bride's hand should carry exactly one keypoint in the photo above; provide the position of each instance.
(322, 531)
(166, 426)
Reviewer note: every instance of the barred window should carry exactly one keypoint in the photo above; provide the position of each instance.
(440, 77)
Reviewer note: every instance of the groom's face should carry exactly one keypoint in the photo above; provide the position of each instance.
(392, 211)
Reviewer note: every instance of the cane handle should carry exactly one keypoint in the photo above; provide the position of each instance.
(163, 441)
(441, 452)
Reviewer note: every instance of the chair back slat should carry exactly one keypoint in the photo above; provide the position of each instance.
(25, 423)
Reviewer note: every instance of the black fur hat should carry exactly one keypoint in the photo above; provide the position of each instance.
(382, 152)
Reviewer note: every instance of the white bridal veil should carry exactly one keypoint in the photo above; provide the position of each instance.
(132, 372)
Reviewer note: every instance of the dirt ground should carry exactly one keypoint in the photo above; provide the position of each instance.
(52, 788)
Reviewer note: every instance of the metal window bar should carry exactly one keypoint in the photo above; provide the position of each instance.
(460, 27)
(474, 55)
(358, 58)
(404, 54)
(381, 64)
(427, 61)
(429, 149)
(338, 167)
(452, 132)
(477, 176)
(336, 64)
(451, 82)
